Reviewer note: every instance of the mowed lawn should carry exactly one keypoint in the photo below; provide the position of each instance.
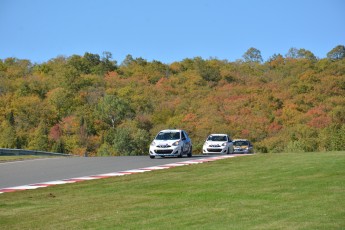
(262, 191)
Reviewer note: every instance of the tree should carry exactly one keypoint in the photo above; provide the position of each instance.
(276, 60)
(252, 55)
(8, 137)
(292, 53)
(128, 60)
(61, 100)
(207, 71)
(79, 64)
(92, 60)
(40, 138)
(113, 109)
(17, 68)
(106, 64)
(92, 63)
(306, 54)
(336, 53)
(10, 118)
(123, 142)
(295, 53)
(129, 140)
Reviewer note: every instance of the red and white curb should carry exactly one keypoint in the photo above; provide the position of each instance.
(112, 174)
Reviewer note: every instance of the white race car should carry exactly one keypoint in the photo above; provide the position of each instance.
(218, 143)
(171, 142)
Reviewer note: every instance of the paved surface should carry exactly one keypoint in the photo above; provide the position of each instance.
(36, 171)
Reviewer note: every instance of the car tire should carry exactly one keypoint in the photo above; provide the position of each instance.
(152, 157)
(181, 153)
(190, 153)
(233, 151)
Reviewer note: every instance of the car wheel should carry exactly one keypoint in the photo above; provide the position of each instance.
(152, 157)
(181, 152)
(190, 153)
(232, 150)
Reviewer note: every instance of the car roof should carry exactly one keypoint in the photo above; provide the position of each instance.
(170, 130)
(240, 140)
(218, 134)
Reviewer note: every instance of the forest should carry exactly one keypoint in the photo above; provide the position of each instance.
(91, 104)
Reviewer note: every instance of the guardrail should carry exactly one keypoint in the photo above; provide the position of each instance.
(17, 152)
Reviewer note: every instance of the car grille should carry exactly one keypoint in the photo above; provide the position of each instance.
(163, 146)
(164, 151)
(240, 150)
(214, 150)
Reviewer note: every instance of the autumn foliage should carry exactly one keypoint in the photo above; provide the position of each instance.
(91, 104)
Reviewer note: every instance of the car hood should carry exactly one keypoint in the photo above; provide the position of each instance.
(164, 142)
(215, 143)
(241, 147)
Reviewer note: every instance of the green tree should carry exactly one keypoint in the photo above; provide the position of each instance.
(128, 60)
(112, 110)
(252, 55)
(295, 53)
(8, 137)
(292, 53)
(62, 101)
(40, 138)
(337, 53)
(58, 147)
(10, 118)
(107, 64)
(17, 68)
(207, 71)
(123, 142)
(306, 54)
(332, 138)
(141, 140)
(129, 140)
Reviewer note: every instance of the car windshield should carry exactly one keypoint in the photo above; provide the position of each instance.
(217, 138)
(168, 136)
(240, 143)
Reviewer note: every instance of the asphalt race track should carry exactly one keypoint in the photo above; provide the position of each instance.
(25, 172)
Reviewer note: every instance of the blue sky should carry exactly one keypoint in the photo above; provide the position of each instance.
(168, 31)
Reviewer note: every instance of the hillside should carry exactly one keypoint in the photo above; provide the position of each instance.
(91, 104)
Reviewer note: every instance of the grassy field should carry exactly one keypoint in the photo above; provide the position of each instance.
(263, 191)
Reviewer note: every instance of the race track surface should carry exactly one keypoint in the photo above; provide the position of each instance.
(27, 172)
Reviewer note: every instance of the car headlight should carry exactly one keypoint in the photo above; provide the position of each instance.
(224, 144)
(153, 143)
(176, 143)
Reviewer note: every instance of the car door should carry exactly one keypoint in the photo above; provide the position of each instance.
(184, 140)
(250, 147)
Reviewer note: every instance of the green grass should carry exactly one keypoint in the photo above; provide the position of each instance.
(263, 191)
(20, 158)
